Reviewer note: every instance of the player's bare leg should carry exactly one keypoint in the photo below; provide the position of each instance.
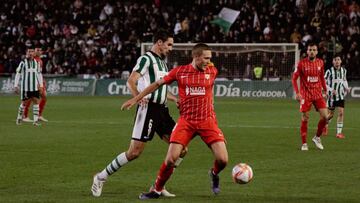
(330, 116)
(221, 159)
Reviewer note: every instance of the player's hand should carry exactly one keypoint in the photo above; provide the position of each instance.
(16, 90)
(143, 102)
(128, 104)
(348, 90)
(41, 91)
(333, 92)
(298, 96)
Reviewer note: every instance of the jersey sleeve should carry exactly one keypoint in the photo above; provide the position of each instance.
(171, 76)
(142, 65)
(295, 77)
(346, 85)
(20, 67)
(39, 73)
(327, 79)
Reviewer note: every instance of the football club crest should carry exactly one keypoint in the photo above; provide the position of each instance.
(319, 68)
(207, 76)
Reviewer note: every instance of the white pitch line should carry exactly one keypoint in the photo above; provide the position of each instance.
(225, 126)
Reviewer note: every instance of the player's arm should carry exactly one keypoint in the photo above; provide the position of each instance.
(327, 80)
(346, 84)
(131, 82)
(17, 76)
(294, 80)
(151, 88)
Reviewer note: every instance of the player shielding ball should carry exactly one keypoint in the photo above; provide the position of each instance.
(197, 116)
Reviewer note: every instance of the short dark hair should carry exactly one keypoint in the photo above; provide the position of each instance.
(162, 35)
(311, 44)
(337, 55)
(198, 49)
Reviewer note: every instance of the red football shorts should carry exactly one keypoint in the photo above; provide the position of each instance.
(208, 130)
(305, 105)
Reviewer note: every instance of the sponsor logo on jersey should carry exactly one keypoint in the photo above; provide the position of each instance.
(312, 79)
(195, 91)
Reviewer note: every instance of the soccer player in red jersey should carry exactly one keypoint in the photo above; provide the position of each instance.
(197, 116)
(310, 70)
(43, 100)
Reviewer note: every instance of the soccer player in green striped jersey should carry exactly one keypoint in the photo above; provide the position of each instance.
(337, 86)
(28, 76)
(152, 113)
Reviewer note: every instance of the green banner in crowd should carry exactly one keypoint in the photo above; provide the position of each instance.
(108, 87)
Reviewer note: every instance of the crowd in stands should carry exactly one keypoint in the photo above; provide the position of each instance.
(104, 37)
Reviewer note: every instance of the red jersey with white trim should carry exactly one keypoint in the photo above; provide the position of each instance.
(195, 91)
(312, 80)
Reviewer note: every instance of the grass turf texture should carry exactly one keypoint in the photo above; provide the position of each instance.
(56, 162)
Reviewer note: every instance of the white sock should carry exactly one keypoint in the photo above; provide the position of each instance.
(117, 163)
(36, 112)
(339, 127)
(20, 111)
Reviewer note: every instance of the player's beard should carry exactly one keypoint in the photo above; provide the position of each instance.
(312, 58)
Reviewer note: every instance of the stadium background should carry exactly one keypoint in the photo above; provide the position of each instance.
(90, 45)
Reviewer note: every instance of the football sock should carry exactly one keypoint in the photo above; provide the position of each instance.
(42, 106)
(20, 111)
(321, 125)
(36, 112)
(303, 131)
(26, 109)
(163, 176)
(117, 163)
(217, 168)
(339, 127)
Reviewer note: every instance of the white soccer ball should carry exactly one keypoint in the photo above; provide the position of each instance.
(242, 173)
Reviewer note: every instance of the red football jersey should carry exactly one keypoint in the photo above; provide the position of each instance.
(312, 80)
(38, 59)
(195, 91)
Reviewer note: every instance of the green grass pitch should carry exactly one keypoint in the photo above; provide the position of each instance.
(56, 162)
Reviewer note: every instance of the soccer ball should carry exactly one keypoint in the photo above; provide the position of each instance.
(242, 173)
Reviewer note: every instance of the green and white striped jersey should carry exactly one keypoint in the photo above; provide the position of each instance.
(28, 73)
(336, 80)
(152, 68)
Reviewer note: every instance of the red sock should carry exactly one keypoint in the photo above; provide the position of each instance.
(303, 131)
(42, 106)
(26, 109)
(321, 126)
(163, 176)
(217, 168)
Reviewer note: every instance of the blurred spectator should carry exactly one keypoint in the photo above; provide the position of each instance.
(103, 37)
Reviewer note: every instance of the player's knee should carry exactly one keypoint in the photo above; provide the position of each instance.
(170, 161)
(184, 152)
(341, 114)
(305, 117)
